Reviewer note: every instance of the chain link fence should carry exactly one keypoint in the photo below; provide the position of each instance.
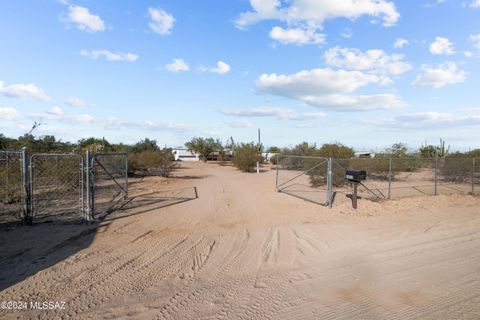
(56, 186)
(309, 178)
(376, 187)
(476, 176)
(60, 187)
(109, 180)
(304, 177)
(12, 190)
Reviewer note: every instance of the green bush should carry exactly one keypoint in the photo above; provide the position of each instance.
(151, 163)
(456, 168)
(246, 156)
(204, 146)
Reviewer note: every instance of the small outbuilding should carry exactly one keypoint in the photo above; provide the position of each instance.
(365, 154)
(183, 154)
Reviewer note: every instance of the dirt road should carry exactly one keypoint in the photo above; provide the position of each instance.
(242, 251)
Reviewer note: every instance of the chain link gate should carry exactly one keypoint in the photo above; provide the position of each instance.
(304, 177)
(108, 182)
(13, 191)
(56, 187)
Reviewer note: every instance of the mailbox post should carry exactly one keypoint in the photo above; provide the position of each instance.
(355, 177)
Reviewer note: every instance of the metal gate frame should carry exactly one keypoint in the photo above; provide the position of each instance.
(27, 205)
(33, 210)
(472, 176)
(24, 194)
(90, 183)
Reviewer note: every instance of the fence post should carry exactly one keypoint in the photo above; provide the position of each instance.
(329, 183)
(436, 174)
(276, 174)
(25, 189)
(31, 211)
(473, 175)
(87, 182)
(389, 178)
(126, 176)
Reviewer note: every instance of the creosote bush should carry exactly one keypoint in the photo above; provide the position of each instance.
(203, 146)
(246, 156)
(151, 163)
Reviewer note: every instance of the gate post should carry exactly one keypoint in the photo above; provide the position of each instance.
(25, 189)
(436, 175)
(126, 177)
(389, 178)
(329, 183)
(473, 176)
(88, 212)
(276, 173)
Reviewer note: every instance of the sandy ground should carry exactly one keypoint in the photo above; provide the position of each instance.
(243, 251)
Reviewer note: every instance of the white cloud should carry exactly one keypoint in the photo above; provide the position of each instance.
(8, 114)
(84, 19)
(475, 4)
(305, 116)
(475, 39)
(442, 75)
(160, 21)
(347, 33)
(441, 46)
(370, 60)
(400, 43)
(177, 65)
(327, 88)
(110, 56)
(305, 18)
(258, 112)
(468, 54)
(314, 12)
(76, 102)
(356, 102)
(240, 124)
(279, 113)
(296, 36)
(56, 111)
(314, 82)
(24, 91)
(423, 120)
(220, 68)
(82, 118)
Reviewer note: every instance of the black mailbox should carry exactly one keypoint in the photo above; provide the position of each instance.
(355, 175)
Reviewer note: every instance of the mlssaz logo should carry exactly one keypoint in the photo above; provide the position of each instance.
(47, 305)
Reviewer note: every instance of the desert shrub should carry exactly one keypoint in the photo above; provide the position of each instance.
(145, 145)
(151, 163)
(318, 175)
(274, 160)
(455, 168)
(203, 146)
(246, 156)
(334, 150)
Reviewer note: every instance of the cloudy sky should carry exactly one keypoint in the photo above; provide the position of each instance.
(367, 73)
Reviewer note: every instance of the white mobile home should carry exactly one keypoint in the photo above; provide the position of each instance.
(183, 154)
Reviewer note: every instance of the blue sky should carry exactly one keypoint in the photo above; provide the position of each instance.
(366, 73)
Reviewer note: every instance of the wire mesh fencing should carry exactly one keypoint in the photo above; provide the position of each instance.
(310, 178)
(60, 187)
(304, 177)
(12, 189)
(56, 187)
(476, 176)
(375, 188)
(109, 182)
